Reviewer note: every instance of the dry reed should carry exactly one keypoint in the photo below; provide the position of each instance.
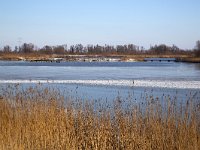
(43, 119)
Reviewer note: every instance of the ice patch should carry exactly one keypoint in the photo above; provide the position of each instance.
(127, 83)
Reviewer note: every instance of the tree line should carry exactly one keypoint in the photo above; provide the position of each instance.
(161, 49)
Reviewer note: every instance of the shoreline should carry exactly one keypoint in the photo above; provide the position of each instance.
(97, 58)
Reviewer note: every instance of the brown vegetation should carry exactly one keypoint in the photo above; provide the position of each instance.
(23, 56)
(126, 52)
(40, 118)
(189, 59)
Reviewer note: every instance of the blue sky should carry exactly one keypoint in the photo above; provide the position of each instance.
(141, 22)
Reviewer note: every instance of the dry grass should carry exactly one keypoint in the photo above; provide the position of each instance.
(190, 59)
(18, 56)
(42, 119)
(124, 57)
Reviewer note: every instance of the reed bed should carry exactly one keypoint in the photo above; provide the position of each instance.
(41, 118)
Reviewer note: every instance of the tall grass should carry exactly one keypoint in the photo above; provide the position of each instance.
(43, 119)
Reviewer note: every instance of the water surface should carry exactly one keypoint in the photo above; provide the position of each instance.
(158, 78)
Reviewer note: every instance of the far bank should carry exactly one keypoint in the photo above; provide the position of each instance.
(94, 57)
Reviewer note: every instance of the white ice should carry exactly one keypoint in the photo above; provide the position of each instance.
(128, 83)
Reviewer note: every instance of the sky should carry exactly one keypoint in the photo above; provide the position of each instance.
(140, 22)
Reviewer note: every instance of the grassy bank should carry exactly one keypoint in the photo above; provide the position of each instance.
(18, 56)
(39, 118)
(67, 57)
(190, 59)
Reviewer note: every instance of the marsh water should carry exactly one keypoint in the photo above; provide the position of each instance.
(106, 80)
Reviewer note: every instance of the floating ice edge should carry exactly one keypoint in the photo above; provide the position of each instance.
(127, 83)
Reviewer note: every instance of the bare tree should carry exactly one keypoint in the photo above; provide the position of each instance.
(46, 50)
(7, 49)
(59, 50)
(197, 48)
(27, 48)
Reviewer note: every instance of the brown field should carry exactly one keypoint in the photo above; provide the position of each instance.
(39, 118)
(136, 57)
(190, 59)
(17, 56)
